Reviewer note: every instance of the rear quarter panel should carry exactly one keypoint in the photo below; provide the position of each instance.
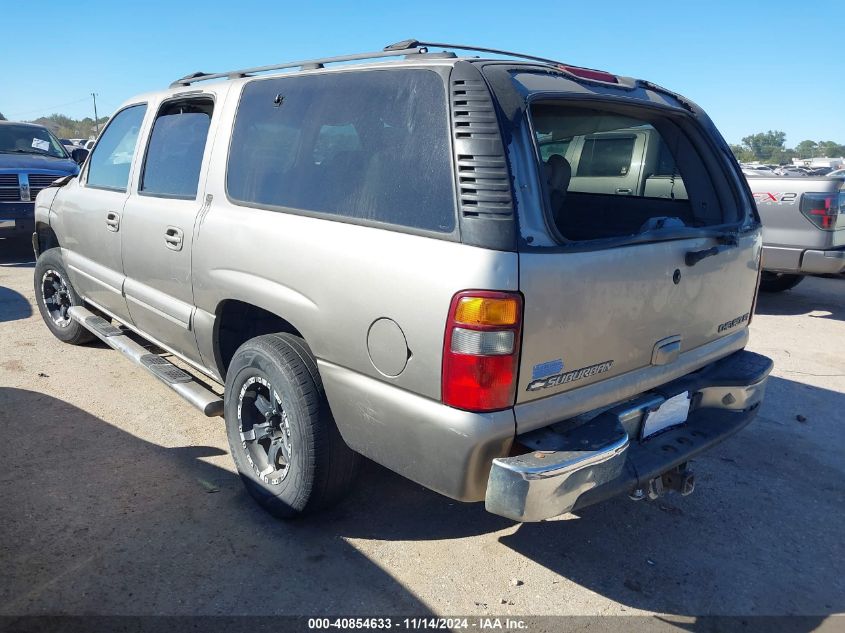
(332, 280)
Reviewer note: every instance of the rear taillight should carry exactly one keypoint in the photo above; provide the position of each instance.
(481, 350)
(825, 210)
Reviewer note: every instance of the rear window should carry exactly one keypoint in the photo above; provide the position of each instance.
(609, 174)
(369, 146)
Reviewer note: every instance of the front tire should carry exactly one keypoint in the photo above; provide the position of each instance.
(55, 295)
(778, 282)
(285, 444)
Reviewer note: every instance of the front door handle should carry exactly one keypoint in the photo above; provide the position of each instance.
(113, 221)
(624, 191)
(173, 238)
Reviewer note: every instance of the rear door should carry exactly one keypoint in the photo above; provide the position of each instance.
(617, 294)
(159, 223)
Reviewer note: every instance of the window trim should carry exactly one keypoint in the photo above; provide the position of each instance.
(125, 190)
(695, 137)
(162, 104)
(452, 236)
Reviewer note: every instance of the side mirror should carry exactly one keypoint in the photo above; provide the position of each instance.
(79, 155)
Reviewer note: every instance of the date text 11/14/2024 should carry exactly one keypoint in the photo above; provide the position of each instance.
(423, 623)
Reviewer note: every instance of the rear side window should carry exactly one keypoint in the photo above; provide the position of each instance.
(108, 166)
(370, 145)
(177, 144)
(606, 156)
(619, 174)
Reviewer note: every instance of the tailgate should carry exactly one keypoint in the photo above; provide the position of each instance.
(651, 262)
(805, 213)
(594, 315)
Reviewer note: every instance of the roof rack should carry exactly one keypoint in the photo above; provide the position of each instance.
(309, 64)
(405, 47)
(417, 44)
(581, 72)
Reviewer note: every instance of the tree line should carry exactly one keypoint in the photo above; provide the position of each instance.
(770, 147)
(66, 127)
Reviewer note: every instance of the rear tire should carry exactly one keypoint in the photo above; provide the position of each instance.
(778, 282)
(284, 441)
(54, 295)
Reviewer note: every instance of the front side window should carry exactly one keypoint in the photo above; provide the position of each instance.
(108, 166)
(177, 144)
(612, 175)
(371, 145)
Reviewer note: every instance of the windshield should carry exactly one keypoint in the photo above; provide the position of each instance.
(29, 139)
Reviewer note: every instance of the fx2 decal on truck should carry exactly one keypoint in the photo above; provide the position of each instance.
(775, 197)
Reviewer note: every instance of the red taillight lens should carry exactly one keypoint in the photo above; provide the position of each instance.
(824, 209)
(481, 350)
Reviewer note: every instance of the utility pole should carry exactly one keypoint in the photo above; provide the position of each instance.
(96, 120)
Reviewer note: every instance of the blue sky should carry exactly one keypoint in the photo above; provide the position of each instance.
(753, 65)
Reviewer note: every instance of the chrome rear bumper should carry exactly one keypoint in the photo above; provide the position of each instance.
(570, 468)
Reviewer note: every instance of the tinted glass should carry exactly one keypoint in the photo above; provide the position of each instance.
(619, 174)
(554, 147)
(174, 154)
(606, 156)
(109, 164)
(366, 145)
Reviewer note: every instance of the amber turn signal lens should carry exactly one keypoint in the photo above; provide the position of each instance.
(487, 311)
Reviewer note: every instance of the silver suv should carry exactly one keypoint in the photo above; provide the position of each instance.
(510, 280)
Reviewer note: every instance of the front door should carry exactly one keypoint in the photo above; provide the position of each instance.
(92, 212)
(159, 219)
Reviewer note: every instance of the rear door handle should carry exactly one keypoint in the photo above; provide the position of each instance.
(173, 238)
(113, 221)
(625, 192)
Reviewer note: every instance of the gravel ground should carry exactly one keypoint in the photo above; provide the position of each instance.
(118, 498)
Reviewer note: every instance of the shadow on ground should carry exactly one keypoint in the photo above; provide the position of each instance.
(13, 305)
(16, 251)
(818, 297)
(99, 521)
(759, 536)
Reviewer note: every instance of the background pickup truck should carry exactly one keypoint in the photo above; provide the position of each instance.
(803, 228)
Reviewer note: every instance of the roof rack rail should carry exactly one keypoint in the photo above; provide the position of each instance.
(582, 72)
(417, 44)
(307, 64)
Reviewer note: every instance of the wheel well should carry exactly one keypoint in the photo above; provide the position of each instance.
(47, 238)
(237, 322)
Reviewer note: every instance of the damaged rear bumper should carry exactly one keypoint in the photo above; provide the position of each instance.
(570, 468)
